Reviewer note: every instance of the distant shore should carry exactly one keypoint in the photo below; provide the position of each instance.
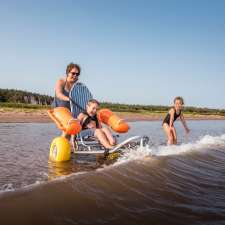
(40, 116)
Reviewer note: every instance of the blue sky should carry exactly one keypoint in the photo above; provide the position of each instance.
(139, 52)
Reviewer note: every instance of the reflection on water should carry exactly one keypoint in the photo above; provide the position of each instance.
(159, 184)
(73, 166)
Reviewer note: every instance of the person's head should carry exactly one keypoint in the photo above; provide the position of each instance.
(72, 72)
(92, 107)
(178, 103)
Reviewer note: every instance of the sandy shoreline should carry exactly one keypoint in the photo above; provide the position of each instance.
(41, 116)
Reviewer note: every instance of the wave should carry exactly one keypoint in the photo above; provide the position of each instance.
(139, 154)
(204, 142)
(7, 188)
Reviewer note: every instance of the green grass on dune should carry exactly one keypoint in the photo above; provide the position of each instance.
(12, 106)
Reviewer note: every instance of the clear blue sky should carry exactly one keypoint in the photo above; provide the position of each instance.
(141, 52)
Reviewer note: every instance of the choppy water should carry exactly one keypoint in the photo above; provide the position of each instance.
(182, 184)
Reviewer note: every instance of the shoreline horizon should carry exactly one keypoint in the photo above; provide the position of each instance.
(41, 116)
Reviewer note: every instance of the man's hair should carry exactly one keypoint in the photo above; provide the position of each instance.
(93, 101)
(179, 98)
(71, 66)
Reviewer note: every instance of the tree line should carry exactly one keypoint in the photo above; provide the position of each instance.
(159, 109)
(24, 99)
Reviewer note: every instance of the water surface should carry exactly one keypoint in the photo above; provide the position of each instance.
(182, 184)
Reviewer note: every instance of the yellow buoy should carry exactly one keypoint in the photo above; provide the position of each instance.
(60, 150)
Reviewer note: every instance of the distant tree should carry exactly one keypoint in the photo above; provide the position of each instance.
(18, 96)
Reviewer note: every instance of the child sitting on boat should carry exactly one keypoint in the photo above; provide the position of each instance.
(174, 113)
(91, 126)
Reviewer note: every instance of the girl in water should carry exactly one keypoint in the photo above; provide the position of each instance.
(174, 113)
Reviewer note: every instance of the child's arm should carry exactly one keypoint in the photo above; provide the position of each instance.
(171, 112)
(81, 118)
(184, 123)
(99, 124)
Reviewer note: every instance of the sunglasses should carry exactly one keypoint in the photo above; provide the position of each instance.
(75, 74)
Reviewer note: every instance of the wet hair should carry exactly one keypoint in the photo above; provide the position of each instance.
(179, 98)
(93, 101)
(72, 66)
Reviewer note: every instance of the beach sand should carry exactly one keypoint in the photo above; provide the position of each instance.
(41, 116)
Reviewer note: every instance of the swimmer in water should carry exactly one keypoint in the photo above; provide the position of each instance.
(168, 122)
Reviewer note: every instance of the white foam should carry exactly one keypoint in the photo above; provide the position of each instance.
(210, 140)
(7, 188)
(142, 152)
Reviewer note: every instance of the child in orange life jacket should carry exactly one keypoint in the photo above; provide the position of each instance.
(91, 126)
(174, 113)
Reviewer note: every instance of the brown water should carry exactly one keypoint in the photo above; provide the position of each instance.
(182, 184)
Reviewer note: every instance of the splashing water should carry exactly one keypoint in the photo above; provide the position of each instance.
(147, 151)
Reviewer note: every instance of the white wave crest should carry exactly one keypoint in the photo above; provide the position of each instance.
(142, 152)
(7, 188)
